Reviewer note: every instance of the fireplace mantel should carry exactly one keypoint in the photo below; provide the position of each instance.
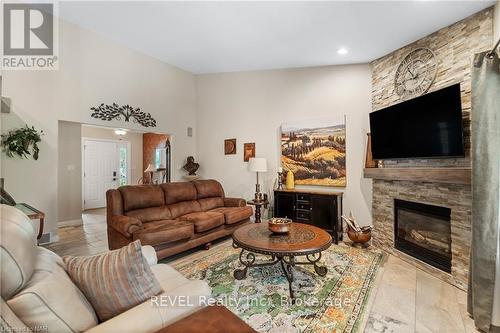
(432, 175)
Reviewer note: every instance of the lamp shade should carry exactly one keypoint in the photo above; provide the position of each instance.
(150, 168)
(257, 164)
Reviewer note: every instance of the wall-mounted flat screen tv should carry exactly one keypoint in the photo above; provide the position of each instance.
(428, 126)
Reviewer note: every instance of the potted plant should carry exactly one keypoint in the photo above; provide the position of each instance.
(22, 142)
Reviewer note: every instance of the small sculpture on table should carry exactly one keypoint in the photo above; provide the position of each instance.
(280, 178)
(191, 167)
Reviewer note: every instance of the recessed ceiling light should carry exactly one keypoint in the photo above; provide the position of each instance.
(120, 131)
(342, 51)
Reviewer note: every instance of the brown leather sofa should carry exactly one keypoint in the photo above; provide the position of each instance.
(172, 217)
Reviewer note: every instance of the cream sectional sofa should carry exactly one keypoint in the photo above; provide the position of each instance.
(38, 294)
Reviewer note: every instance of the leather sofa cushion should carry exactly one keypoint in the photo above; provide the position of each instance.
(150, 214)
(235, 214)
(177, 192)
(208, 188)
(144, 196)
(211, 203)
(204, 221)
(51, 299)
(183, 208)
(9, 319)
(114, 281)
(165, 231)
(18, 251)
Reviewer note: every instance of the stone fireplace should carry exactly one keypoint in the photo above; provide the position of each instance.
(442, 202)
(435, 182)
(424, 232)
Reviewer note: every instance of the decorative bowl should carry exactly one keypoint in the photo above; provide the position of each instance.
(359, 237)
(279, 225)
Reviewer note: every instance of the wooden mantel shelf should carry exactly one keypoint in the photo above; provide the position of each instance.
(430, 175)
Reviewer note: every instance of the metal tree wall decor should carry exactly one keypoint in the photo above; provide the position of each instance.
(114, 111)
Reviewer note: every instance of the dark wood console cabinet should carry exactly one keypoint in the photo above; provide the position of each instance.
(322, 209)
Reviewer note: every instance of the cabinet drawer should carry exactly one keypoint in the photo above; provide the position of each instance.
(303, 197)
(302, 215)
(303, 205)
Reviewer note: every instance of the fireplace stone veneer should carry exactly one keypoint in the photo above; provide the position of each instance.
(455, 197)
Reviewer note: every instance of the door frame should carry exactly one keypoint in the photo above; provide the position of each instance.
(129, 159)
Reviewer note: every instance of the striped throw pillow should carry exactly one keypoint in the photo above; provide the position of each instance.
(115, 281)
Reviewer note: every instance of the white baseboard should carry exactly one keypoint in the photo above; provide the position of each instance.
(70, 223)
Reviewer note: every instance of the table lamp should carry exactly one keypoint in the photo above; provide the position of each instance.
(257, 164)
(151, 169)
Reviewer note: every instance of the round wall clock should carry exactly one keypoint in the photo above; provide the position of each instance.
(416, 73)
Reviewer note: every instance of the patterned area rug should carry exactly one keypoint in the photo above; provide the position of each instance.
(334, 303)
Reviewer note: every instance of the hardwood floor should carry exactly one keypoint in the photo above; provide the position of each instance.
(406, 300)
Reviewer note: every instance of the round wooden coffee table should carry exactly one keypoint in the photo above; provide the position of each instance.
(302, 240)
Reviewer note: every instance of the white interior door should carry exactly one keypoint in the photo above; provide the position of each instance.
(100, 171)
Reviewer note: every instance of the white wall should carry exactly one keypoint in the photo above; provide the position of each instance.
(251, 106)
(92, 70)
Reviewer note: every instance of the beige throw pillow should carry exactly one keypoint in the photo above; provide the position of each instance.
(115, 281)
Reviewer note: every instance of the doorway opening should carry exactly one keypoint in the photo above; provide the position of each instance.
(93, 159)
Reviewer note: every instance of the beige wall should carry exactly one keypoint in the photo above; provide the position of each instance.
(496, 22)
(69, 177)
(135, 139)
(496, 303)
(92, 70)
(251, 106)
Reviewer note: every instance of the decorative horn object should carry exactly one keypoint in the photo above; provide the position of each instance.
(114, 111)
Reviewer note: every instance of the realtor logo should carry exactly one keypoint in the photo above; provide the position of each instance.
(29, 31)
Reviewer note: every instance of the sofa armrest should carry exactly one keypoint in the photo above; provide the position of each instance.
(125, 225)
(149, 253)
(234, 202)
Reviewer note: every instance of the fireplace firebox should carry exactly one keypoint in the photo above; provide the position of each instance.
(424, 232)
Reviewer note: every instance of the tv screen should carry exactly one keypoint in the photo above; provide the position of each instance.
(426, 126)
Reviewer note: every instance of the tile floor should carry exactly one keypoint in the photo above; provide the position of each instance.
(88, 239)
(407, 299)
(411, 300)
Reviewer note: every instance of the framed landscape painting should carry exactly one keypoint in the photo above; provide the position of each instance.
(315, 151)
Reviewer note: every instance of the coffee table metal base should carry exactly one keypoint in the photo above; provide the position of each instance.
(287, 263)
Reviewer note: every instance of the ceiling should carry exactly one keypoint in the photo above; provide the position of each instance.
(211, 37)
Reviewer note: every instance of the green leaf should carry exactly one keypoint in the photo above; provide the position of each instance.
(22, 142)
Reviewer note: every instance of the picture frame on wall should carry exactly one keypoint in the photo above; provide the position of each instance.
(229, 146)
(248, 151)
(315, 151)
